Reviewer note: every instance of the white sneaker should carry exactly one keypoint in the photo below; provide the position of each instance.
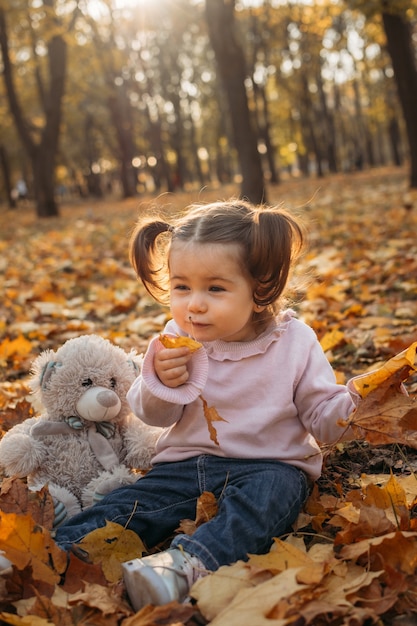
(161, 578)
(5, 564)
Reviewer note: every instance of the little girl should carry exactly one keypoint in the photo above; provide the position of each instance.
(262, 373)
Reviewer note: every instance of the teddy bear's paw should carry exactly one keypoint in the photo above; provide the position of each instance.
(105, 483)
(20, 454)
(60, 512)
(66, 505)
(74, 422)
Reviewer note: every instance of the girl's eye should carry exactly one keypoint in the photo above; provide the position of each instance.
(215, 288)
(87, 382)
(180, 287)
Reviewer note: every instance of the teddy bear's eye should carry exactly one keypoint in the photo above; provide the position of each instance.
(113, 383)
(87, 382)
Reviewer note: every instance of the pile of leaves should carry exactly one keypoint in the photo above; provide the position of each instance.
(353, 554)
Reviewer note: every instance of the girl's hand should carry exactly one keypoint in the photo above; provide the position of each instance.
(171, 366)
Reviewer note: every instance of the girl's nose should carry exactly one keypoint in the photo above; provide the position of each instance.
(197, 303)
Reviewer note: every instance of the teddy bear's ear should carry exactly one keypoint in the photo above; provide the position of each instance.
(39, 370)
(135, 361)
(47, 372)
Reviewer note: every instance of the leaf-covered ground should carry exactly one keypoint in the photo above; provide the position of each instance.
(353, 558)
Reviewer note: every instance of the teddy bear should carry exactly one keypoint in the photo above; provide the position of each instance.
(86, 442)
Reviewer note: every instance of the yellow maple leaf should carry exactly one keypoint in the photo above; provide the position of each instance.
(111, 546)
(180, 342)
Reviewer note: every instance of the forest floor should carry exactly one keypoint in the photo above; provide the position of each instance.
(356, 286)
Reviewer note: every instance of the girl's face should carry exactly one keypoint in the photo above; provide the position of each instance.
(210, 294)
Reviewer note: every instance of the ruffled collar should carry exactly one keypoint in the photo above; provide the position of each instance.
(235, 350)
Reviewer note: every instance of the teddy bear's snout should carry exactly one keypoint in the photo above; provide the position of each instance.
(98, 404)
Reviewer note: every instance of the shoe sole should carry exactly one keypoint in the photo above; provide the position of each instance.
(143, 585)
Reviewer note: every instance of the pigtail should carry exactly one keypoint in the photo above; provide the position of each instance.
(147, 254)
(277, 240)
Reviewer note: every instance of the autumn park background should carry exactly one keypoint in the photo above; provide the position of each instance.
(111, 107)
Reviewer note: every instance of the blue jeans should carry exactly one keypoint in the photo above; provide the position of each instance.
(257, 501)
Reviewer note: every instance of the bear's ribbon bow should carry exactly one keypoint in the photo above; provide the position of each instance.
(98, 440)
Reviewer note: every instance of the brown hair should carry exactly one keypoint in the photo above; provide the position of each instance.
(270, 239)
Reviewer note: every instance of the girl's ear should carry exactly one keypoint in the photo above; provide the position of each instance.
(258, 308)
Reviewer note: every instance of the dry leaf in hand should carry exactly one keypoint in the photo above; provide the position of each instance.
(386, 415)
(211, 415)
(405, 362)
(180, 342)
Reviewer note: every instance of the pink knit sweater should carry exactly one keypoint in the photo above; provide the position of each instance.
(277, 395)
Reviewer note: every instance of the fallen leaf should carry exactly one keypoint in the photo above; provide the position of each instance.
(106, 599)
(26, 543)
(332, 339)
(111, 546)
(206, 509)
(254, 605)
(173, 614)
(397, 549)
(16, 497)
(211, 415)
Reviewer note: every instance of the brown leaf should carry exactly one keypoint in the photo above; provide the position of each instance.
(106, 599)
(206, 510)
(386, 415)
(211, 415)
(79, 572)
(173, 614)
(397, 549)
(15, 414)
(15, 497)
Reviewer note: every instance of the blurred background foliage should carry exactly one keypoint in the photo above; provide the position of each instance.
(126, 97)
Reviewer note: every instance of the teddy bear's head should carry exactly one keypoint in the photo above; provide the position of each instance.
(87, 377)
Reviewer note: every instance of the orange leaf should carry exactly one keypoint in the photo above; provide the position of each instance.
(386, 415)
(180, 342)
(15, 497)
(405, 361)
(206, 510)
(211, 415)
(26, 543)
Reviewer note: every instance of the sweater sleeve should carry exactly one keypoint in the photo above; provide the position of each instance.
(157, 404)
(322, 404)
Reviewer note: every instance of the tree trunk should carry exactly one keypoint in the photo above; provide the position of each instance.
(401, 49)
(4, 164)
(231, 64)
(43, 153)
(121, 116)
